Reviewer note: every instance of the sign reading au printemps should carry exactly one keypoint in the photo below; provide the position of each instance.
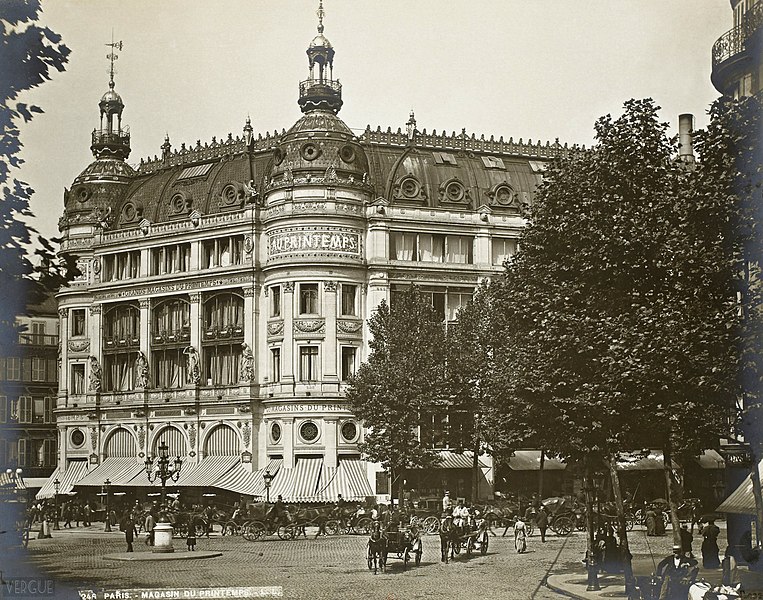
(302, 408)
(318, 240)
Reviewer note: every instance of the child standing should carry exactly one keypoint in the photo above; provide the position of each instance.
(191, 541)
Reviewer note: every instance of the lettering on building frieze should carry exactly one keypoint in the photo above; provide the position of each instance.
(180, 286)
(314, 240)
(300, 408)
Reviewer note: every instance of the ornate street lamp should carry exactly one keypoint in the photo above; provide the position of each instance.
(268, 479)
(56, 487)
(162, 468)
(106, 486)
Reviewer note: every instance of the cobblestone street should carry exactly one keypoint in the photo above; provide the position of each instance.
(330, 567)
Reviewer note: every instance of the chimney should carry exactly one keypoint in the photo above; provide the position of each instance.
(685, 131)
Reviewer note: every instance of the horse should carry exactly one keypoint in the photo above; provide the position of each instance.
(449, 539)
(377, 549)
(309, 515)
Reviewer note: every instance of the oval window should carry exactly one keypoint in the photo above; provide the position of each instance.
(275, 433)
(77, 438)
(349, 431)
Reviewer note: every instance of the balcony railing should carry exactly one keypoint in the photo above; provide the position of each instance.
(171, 336)
(733, 42)
(310, 86)
(224, 333)
(122, 341)
(104, 137)
(36, 339)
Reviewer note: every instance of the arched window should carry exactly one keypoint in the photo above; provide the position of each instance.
(223, 335)
(171, 321)
(121, 341)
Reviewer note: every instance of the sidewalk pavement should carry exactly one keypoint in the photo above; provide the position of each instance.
(613, 585)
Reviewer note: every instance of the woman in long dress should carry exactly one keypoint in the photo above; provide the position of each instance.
(710, 559)
(520, 535)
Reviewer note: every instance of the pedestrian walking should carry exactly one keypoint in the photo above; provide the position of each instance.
(149, 525)
(87, 514)
(710, 533)
(686, 540)
(447, 504)
(128, 526)
(190, 540)
(520, 535)
(66, 514)
(541, 519)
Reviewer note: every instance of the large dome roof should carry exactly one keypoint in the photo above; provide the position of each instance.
(319, 121)
(106, 169)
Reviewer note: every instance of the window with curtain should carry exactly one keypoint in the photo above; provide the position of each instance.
(431, 247)
(121, 325)
(171, 321)
(402, 246)
(38, 408)
(121, 265)
(119, 371)
(503, 248)
(221, 364)
(348, 362)
(275, 364)
(77, 317)
(455, 301)
(349, 300)
(77, 379)
(170, 259)
(459, 249)
(224, 313)
(223, 252)
(308, 298)
(168, 368)
(308, 363)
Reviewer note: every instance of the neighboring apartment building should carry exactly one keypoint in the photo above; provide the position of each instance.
(28, 389)
(226, 286)
(738, 53)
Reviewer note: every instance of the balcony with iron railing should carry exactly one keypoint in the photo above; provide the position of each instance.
(104, 137)
(310, 86)
(324, 94)
(37, 339)
(736, 44)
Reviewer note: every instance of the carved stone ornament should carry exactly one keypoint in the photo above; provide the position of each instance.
(192, 435)
(93, 438)
(288, 287)
(193, 371)
(141, 371)
(78, 345)
(502, 194)
(95, 309)
(96, 263)
(247, 364)
(63, 313)
(194, 298)
(409, 188)
(250, 292)
(329, 286)
(349, 326)
(309, 326)
(246, 433)
(96, 375)
(275, 328)
(453, 191)
(248, 244)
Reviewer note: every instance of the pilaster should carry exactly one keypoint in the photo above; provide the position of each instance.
(329, 345)
(94, 330)
(287, 349)
(330, 454)
(288, 442)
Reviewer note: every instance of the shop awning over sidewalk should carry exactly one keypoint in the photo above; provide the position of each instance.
(208, 471)
(12, 482)
(119, 470)
(529, 460)
(241, 481)
(307, 472)
(348, 478)
(741, 501)
(75, 470)
(654, 460)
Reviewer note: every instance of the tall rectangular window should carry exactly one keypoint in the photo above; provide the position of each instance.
(308, 363)
(49, 454)
(308, 298)
(402, 246)
(77, 317)
(348, 362)
(38, 414)
(349, 299)
(25, 409)
(171, 259)
(431, 247)
(455, 301)
(49, 403)
(122, 265)
(13, 365)
(77, 379)
(459, 249)
(275, 301)
(275, 365)
(503, 249)
(38, 369)
(24, 452)
(3, 409)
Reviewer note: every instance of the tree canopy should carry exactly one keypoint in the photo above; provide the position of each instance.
(28, 55)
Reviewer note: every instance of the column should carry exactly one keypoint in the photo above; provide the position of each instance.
(94, 331)
(330, 454)
(145, 326)
(288, 442)
(196, 324)
(145, 262)
(287, 347)
(329, 366)
(482, 249)
(63, 359)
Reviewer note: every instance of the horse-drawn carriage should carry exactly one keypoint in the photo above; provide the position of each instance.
(471, 537)
(402, 542)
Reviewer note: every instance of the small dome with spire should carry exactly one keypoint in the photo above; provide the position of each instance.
(320, 41)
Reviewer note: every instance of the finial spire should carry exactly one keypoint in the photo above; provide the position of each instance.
(321, 13)
(112, 56)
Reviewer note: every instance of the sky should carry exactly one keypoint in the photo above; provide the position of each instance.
(530, 69)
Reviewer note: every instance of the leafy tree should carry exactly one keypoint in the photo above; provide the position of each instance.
(619, 314)
(476, 344)
(402, 380)
(28, 54)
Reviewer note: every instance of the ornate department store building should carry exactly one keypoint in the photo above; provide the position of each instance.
(226, 286)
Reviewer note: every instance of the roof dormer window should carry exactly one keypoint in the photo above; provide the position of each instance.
(444, 158)
(493, 162)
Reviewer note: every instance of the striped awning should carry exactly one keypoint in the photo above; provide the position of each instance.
(356, 473)
(208, 471)
(332, 482)
(742, 500)
(283, 484)
(241, 481)
(457, 460)
(119, 470)
(307, 472)
(75, 471)
(12, 483)
(529, 460)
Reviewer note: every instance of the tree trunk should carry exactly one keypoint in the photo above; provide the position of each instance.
(476, 473)
(630, 581)
(591, 565)
(674, 493)
(540, 473)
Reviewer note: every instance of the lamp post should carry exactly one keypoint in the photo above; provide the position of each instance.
(106, 486)
(56, 487)
(268, 479)
(162, 468)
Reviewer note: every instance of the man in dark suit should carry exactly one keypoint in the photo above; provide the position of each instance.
(678, 573)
